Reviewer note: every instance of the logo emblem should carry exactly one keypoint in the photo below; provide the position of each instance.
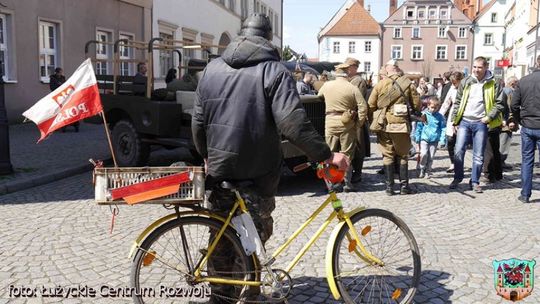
(514, 279)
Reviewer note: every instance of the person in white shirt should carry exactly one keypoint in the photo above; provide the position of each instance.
(446, 109)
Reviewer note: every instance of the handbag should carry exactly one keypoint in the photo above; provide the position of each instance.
(379, 121)
(400, 110)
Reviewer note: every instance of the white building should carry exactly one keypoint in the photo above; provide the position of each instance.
(209, 22)
(352, 32)
(489, 34)
(518, 37)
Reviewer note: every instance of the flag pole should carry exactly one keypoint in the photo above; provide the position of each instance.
(108, 137)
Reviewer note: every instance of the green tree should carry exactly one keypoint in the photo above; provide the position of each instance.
(287, 54)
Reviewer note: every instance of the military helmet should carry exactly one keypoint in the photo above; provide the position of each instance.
(257, 25)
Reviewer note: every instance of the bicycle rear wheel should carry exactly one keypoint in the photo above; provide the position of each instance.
(163, 266)
(387, 237)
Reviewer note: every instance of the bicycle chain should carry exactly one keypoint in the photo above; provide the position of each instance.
(259, 272)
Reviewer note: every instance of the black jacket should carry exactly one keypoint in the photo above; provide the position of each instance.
(526, 101)
(55, 81)
(446, 87)
(245, 101)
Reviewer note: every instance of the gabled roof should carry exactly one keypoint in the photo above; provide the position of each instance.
(485, 9)
(351, 21)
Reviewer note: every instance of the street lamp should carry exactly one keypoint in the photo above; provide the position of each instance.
(5, 162)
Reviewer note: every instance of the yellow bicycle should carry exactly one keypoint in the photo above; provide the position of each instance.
(371, 256)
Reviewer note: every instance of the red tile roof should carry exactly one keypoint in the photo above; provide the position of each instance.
(356, 21)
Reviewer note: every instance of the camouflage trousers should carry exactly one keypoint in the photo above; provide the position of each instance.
(222, 260)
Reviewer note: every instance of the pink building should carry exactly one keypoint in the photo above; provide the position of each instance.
(428, 37)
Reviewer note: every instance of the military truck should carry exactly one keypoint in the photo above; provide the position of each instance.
(140, 117)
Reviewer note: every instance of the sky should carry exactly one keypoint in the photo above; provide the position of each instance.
(303, 19)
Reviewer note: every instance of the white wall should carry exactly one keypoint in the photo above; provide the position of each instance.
(326, 50)
(516, 35)
(483, 26)
(208, 17)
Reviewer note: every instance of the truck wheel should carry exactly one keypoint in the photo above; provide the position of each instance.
(128, 147)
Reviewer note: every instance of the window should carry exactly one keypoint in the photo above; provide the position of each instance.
(488, 59)
(493, 17)
(336, 47)
(367, 46)
(256, 6)
(232, 5)
(444, 14)
(488, 39)
(410, 13)
(442, 52)
(397, 32)
(352, 47)
(396, 52)
(263, 9)
(417, 52)
(462, 32)
(421, 14)
(367, 66)
(271, 18)
(126, 53)
(442, 32)
(432, 14)
(244, 9)
(103, 51)
(4, 48)
(415, 32)
(188, 37)
(207, 40)
(276, 24)
(165, 56)
(461, 52)
(48, 49)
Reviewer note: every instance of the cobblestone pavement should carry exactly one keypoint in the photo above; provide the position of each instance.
(61, 155)
(55, 235)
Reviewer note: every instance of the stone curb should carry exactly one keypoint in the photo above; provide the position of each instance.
(43, 179)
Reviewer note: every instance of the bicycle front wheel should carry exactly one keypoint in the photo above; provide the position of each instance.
(386, 237)
(163, 267)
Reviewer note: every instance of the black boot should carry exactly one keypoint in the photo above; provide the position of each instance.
(404, 180)
(389, 175)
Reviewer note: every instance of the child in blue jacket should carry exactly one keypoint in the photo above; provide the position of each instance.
(429, 134)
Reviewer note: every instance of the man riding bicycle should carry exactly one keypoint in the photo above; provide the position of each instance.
(245, 101)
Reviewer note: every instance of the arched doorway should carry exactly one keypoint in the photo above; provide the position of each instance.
(223, 40)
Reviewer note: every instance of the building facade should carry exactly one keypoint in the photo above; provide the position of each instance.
(428, 37)
(36, 36)
(521, 23)
(489, 34)
(352, 32)
(206, 22)
(470, 8)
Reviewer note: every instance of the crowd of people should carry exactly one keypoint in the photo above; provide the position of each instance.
(240, 117)
(416, 118)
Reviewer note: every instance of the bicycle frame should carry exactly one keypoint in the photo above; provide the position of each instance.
(338, 213)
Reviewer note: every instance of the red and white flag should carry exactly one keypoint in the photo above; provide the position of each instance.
(76, 99)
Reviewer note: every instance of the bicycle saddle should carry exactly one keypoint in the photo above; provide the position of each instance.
(233, 186)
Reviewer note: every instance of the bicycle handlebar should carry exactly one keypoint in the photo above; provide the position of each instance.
(328, 172)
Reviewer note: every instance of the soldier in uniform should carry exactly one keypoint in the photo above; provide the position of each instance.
(346, 110)
(362, 136)
(390, 106)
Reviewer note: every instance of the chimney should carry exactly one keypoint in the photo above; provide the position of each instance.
(393, 6)
(361, 2)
